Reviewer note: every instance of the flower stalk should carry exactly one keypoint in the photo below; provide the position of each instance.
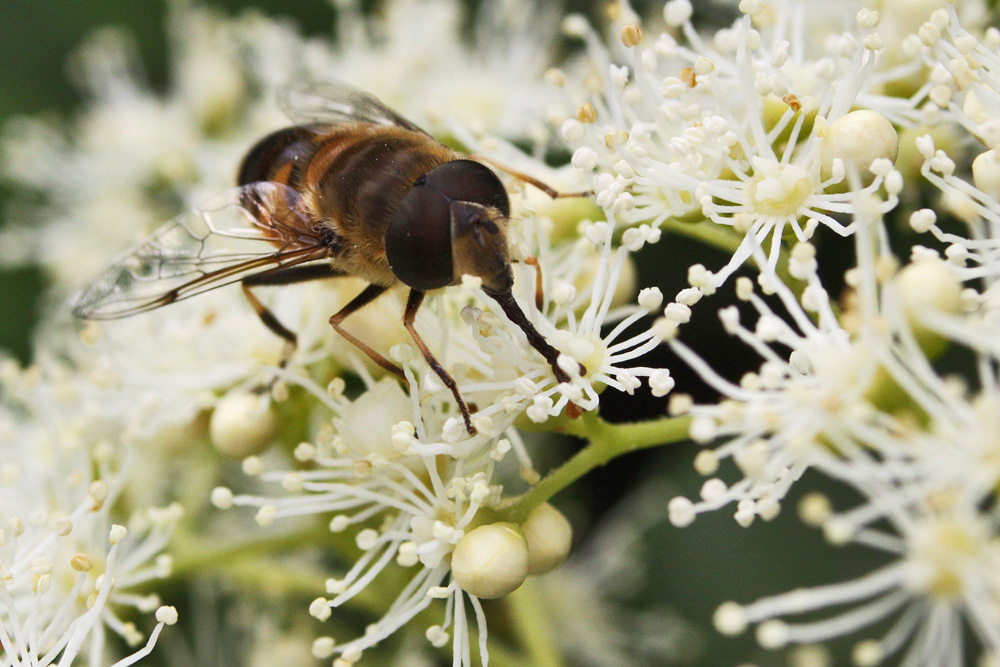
(606, 441)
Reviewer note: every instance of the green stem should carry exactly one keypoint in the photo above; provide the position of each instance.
(707, 232)
(271, 576)
(607, 441)
(531, 624)
(195, 554)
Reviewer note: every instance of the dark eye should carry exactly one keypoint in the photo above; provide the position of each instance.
(418, 239)
(465, 180)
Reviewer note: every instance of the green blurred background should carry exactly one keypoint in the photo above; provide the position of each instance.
(691, 570)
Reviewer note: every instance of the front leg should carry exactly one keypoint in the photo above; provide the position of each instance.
(367, 295)
(412, 306)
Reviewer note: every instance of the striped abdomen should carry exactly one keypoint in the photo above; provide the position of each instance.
(352, 178)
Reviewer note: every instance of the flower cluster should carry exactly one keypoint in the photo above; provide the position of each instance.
(396, 464)
(796, 130)
(71, 575)
(847, 388)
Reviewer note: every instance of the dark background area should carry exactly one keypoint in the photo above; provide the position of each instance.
(691, 570)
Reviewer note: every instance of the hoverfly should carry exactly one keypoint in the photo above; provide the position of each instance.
(352, 189)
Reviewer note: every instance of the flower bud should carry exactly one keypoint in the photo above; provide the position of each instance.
(927, 286)
(243, 424)
(491, 561)
(986, 173)
(858, 138)
(549, 536)
(367, 427)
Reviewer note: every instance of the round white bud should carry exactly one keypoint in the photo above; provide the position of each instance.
(986, 173)
(491, 561)
(549, 536)
(858, 138)
(367, 428)
(928, 285)
(243, 424)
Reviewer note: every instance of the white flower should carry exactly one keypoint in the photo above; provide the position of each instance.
(64, 587)
(946, 552)
(54, 604)
(973, 257)
(964, 67)
(118, 199)
(383, 457)
(871, 412)
(738, 132)
(68, 573)
(773, 424)
(488, 79)
(838, 400)
(580, 295)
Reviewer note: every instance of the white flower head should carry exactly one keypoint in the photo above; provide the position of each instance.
(738, 132)
(68, 573)
(386, 456)
(823, 395)
(578, 296)
(75, 549)
(943, 575)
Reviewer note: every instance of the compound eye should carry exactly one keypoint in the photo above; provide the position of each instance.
(418, 239)
(466, 180)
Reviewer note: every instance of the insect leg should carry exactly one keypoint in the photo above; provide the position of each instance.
(541, 185)
(412, 306)
(283, 276)
(367, 295)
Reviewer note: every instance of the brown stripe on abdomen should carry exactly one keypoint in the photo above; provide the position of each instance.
(366, 182)
(279, 156)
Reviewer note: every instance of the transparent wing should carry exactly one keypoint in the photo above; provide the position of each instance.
(306, 102)
(238, 233)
